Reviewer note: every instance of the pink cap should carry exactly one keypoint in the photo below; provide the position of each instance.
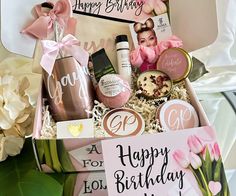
(176, 63)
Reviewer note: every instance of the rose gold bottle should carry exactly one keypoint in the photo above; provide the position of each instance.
(69, 89)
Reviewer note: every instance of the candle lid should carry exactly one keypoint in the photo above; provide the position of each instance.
(176, 62)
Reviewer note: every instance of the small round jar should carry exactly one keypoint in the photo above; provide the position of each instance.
(177, 114)
(175, 62)
(130, 122)
(113, 91)
(154, 84)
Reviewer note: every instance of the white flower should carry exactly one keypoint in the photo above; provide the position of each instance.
(10, 145)
(13, 100)
(16, 115)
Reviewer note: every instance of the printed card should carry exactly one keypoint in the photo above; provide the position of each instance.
(186, 162)
(88, 157)
(91, 184)
(150, 31)
(129, 10)
(75, 129)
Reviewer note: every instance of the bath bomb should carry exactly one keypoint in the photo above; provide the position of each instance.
(113, 91)
(175, 62)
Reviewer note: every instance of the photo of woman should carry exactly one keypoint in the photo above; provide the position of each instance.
(146, 35)
(151, 37)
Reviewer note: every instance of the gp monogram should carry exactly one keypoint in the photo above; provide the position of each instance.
(177, 118)
(122, 122)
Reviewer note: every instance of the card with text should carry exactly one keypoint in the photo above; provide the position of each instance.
(129, 10)
(82, 128)
(186, 162)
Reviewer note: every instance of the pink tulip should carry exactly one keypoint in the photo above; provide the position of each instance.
(216, 151)
(195, 160)
(160, 7)
(210, 150)
(154, 5)
(181, 159)
(195, 144)
(148, 7)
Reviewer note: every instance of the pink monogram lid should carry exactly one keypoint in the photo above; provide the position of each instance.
(121, 122)
(177, 114)
(176, 62)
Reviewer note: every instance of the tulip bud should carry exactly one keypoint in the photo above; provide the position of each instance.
(195, 144)
(181, 159)
(216, 151)
(148, 7)
(210, 150)
(195, 160)
(160, 7)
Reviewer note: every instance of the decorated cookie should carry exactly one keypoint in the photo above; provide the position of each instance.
(154, 84)
(176, 63)
(176, 115)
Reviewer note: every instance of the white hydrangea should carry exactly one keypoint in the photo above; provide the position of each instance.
(16, 115)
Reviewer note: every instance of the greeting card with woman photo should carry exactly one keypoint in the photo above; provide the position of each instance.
(150, 31)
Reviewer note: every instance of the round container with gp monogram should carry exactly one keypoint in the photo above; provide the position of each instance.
(177, 114)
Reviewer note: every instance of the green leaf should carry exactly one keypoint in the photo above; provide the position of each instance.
(225, 187)
(207, 166)
(19, 177)
(54, 155)
(64, 157)
(36, 183)
(217, 171)
(40, 149)
(70, 184)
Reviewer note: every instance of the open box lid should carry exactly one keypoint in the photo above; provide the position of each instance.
(195, 22)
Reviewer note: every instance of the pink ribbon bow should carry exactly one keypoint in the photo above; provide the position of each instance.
(69, 45)
(145, 57)
(61, 12)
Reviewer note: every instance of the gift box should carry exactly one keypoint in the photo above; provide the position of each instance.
(84, 154)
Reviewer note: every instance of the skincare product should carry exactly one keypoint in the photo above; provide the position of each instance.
(123, 61)
(101, 64)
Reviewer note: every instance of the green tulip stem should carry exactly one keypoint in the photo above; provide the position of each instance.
(204, 182)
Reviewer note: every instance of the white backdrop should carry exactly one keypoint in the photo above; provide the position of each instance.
(220, 60)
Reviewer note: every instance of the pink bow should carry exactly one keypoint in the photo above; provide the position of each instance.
(43, 25)
(145, 57)
(69, 45)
